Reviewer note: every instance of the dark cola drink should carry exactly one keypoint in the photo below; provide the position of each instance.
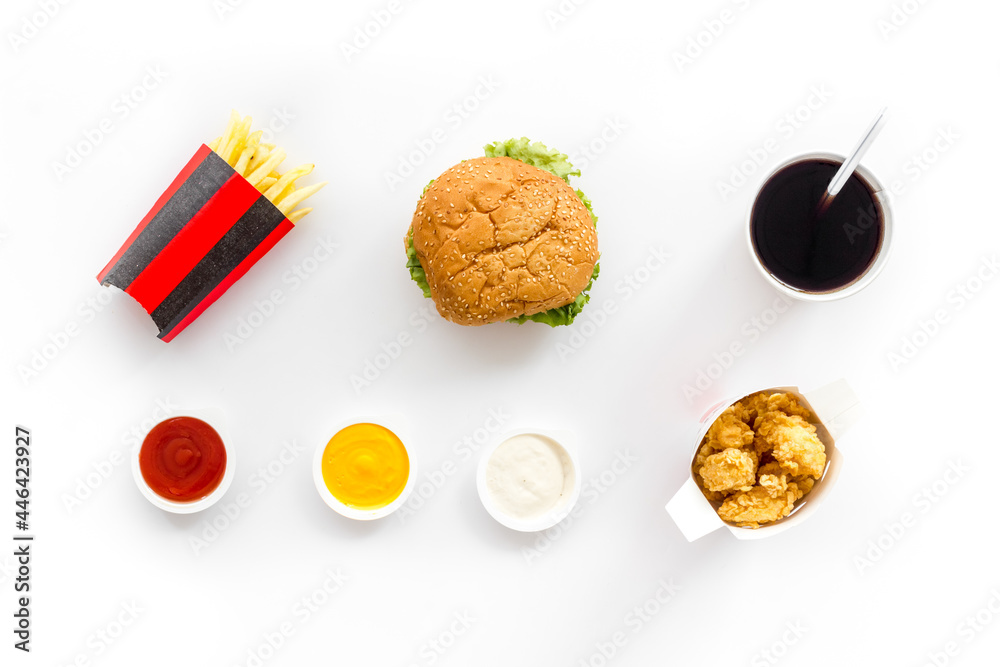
(810, 249)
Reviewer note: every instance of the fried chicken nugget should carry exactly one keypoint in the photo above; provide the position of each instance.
(729, 431)
(775, 485)
(704, 452)
(753, 407)
(714, 496)
(730, 470)
(749, 509)
(805, 484)
(773, 478)
(781, 402)
(793, 443)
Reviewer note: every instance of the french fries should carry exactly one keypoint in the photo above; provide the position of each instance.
(258, 163)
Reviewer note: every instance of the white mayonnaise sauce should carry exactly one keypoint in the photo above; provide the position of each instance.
(529, 475)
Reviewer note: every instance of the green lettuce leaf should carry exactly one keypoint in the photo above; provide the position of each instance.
(537, 155)
(417, 273)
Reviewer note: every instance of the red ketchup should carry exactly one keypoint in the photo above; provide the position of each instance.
(182, 459)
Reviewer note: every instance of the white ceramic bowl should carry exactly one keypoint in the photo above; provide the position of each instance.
(561, 439)
(214, 418)
(350, 512)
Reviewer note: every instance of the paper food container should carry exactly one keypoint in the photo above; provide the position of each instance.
(836, 409)
(203, 233)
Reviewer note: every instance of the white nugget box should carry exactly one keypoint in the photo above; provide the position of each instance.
(836, 409)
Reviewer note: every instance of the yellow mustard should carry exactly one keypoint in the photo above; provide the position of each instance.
(365, 466)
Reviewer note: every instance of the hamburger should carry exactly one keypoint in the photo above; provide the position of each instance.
(505, 238)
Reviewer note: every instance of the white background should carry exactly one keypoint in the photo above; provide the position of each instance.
(562, 79)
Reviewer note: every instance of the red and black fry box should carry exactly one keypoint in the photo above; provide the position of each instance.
(203, 233)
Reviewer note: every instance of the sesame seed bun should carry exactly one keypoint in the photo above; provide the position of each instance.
(499, 238)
